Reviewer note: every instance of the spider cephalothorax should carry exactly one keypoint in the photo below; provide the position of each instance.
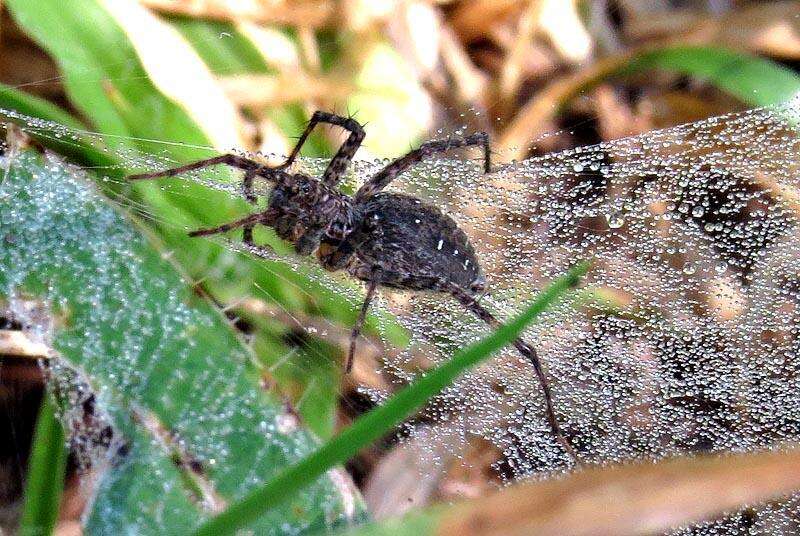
(303, 210)
(384, 239)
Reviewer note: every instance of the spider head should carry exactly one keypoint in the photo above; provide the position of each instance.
(297, 194)
(305, 208)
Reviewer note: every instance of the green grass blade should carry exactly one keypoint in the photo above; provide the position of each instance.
(377, 422)
(756, 81)
(44, 482)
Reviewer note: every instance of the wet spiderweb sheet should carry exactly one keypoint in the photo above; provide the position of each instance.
(683, 338)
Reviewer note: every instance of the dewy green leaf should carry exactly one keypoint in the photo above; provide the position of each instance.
(382, 419)
(180, 389)
(44, 480)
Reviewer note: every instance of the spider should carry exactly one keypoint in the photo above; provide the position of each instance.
(383, 239)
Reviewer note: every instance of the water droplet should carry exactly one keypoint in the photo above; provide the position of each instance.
(615, 220)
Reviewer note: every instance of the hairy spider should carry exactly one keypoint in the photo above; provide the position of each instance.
(384, 239)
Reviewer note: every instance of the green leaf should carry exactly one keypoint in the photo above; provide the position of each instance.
(227, 51)
(103, 76)
(125, 106)
(756, 81)
(382, 419)
(196, 430)
(223, 48)
(44, 480)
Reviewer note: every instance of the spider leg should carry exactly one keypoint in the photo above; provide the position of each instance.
(251, 168)
(232, 160)
(338, 164)
(309, 240)
(391, 171)
(263, 218)
(371, 286)
(250, 196)
(247, 186)
(261, 250)
(469, 301)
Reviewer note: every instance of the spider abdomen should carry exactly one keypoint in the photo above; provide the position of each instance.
(413, 245)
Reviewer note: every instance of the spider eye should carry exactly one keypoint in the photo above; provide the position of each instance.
(338, 228)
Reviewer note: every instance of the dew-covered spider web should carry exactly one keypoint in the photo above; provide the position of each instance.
(682, 339)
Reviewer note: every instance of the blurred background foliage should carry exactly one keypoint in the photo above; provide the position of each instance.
(538, 75)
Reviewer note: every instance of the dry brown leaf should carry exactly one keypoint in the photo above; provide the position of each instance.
(786, 193)
(642, 498)
(765, 28)
(309, 48)
(470, 471)
(415, 30)
(468, 81)
(472, 19)
(362, 15)
(562, 23)
(311, 13)
(407, 476)
(23, 64)
(615, 117)
(726, 298)
(665, 109)
(17, 342)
